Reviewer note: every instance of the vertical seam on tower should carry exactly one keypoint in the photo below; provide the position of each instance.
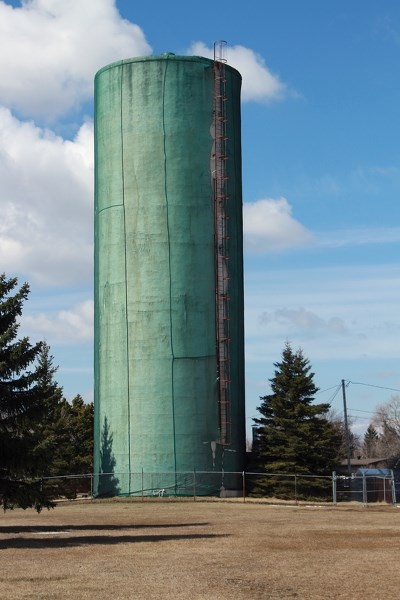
(96, 354)
(169, 268)
(126, 287)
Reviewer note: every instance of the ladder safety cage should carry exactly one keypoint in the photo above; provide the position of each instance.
(221, 216)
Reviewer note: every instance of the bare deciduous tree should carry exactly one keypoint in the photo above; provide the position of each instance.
(387, 423)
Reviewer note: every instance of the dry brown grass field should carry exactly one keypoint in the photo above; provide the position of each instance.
(193, 550)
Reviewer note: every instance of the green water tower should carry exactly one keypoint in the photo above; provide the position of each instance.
(169, 334)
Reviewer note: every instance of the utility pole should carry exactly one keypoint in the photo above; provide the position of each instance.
(346, 428)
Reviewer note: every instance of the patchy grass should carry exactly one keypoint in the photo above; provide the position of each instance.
(200, 550)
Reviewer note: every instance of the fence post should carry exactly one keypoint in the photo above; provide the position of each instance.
(91, 486)
(334, 488)
(194, 485)
(364, 482)
(295, 489)
(244, 486)
(142, 484)
(393, 487)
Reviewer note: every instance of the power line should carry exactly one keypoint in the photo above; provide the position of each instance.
(347, 383)
(381, 387)
(331, 399)
(357, 417)
(335, 393)
(328, 389)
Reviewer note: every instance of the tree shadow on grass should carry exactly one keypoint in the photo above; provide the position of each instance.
(92, 540)
(90, 527)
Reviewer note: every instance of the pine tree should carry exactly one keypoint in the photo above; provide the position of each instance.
(293, 435)
(52, 398)
(371, 441)
(81, 442)
(21, 405)
(348, 440)
(66, 442)
(72, 435)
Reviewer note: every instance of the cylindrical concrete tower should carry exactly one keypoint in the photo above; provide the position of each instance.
(168, 305)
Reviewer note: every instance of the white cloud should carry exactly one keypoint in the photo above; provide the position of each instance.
(385, 171)
(308, 321)
(50, 50)
(359, 237)
(268, 225)
(339, 313)
(46, 182)
(66, 326)
(46, 186)
(259, 84)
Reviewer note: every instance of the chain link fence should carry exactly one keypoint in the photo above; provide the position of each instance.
(366, 488)
(334, 488)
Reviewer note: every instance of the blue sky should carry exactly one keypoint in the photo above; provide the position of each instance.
(321, 175)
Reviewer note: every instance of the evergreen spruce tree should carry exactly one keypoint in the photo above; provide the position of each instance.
(371, 442)
(346, 438)
(52, 398)
(72, 441)
(53, 451)
(81, 432)
(293, 435)
(21, 405)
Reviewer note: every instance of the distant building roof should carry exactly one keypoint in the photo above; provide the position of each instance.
(374, 472)
(363, 462)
